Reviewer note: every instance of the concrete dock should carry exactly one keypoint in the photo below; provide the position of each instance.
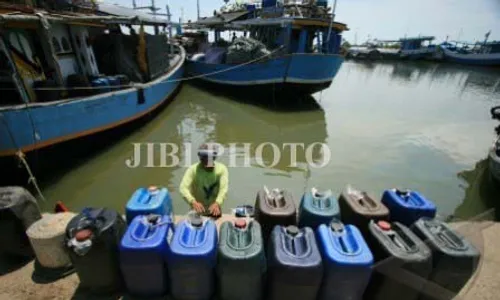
(20, 281)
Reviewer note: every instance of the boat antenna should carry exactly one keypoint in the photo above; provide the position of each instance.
(198, 8)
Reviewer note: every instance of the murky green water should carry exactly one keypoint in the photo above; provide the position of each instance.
(387, 125)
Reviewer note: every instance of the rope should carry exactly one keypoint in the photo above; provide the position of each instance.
(22, 158)
(31, 178)
(163, 82)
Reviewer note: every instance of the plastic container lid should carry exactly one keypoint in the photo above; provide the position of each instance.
(153, 189)
(195, 220)
(292, 230)
(384, 225)
(83, 235)
(336, 226)
(240, 223)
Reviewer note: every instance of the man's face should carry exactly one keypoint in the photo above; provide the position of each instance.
(207, 162)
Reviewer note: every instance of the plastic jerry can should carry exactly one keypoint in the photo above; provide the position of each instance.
(407, 206)
(241, 263)
(295, 265)
(113, 81)
(454, 259)
(347, 262)
(358, 208)
(317, 208)
(192, 259)
(275, 207)
(143, 251)
(153, 200)
(93, 238)
(100, 85)
(18, 211)
(402, 262)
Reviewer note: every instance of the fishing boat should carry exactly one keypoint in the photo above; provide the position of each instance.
(482, 54)
(368, 51)
(69, 72)
(288, 49)
(417, 47)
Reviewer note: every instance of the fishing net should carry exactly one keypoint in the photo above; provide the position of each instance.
(245, 49)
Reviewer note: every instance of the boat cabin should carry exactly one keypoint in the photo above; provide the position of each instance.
(276, 28)
(48, 54)
(415, 43)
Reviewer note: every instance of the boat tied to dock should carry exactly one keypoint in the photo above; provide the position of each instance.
(72, 72)
(285, 48)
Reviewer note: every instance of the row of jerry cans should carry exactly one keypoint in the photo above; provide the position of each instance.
(277, 207)
(332, 262)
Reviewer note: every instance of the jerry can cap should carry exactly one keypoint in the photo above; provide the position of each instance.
(195, 219)
(240, 223)
(336, 226)
(152, 189)
(292, 230)
(384, 225)
(83, 235)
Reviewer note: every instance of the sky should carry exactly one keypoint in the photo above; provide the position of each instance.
(465, 20)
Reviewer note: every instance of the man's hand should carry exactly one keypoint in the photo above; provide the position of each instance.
(198, 207)
(214, 210)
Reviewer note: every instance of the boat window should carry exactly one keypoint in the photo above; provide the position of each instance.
(20, 44)
(25, 44)
(56, 45)
(65, 44)
(10, 93)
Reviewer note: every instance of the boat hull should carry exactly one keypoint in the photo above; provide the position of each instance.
(296, 74)
(41, 125)
(480, 59)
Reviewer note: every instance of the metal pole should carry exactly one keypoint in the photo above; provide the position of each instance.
(331, 22)
(170, 30)
(198, 8)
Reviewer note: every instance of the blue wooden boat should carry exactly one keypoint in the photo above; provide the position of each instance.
(301, 55)
(481, 54)
(69, 75)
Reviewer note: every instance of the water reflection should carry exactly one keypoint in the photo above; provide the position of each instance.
(232, 124)
(467, 78)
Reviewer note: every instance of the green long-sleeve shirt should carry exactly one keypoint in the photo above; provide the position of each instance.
(205, 186)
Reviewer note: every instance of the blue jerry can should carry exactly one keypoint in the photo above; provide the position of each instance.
(101, 85)
(407, 206)
(318, 208)
(294, 264)
(152, 200)
(347, 262)
(142, 255)
(192, 259)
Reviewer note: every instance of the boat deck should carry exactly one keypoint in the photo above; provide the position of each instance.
(21, 282)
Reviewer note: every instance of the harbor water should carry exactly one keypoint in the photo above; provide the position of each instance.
(421, 126)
